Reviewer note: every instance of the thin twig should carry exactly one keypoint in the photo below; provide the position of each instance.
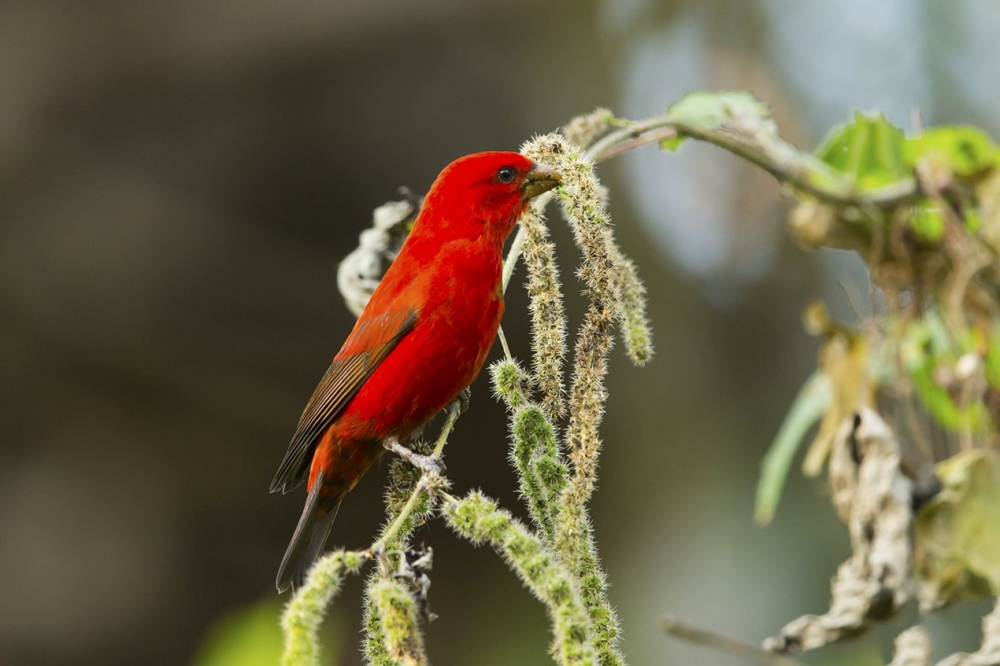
(771, 153)
(692, 634)
(503, 343)
(515, 252)
(652, 137)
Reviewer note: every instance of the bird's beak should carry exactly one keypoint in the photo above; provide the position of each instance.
(540, 179)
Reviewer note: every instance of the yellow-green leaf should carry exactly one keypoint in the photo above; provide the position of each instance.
(711, 109)
(927, 221)
(967, 151)
(958, 531)
(869, 150)
(812, 401)
(672, 143)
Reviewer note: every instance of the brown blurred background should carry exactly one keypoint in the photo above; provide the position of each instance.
(178, 181)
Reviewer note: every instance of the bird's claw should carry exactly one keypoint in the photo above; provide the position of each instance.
(427, 464)
(460, 405)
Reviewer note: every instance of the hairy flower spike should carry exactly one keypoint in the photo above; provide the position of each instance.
(582, 130)
(398, 612)
(403, 479)
(591, 228)
(510, 383)
(548, 314)
(478, 519)
(542, 474)
(304, 614)
(373, 645)
(603, 272)
(635, 331)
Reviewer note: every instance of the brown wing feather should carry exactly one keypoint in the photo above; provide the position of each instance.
(369, 343)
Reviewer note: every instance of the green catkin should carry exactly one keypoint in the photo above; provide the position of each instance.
(510, 383)
(540, 469)
(397, 613)
(534, 447)
(478, 519)
(635, 331)
(582, 199)
(548, 314)
(373, 646)
(304, 614)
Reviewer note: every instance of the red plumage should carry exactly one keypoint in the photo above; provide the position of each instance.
(423, 337)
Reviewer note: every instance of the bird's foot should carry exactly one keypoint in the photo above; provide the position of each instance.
(427, 464)
(460, 405)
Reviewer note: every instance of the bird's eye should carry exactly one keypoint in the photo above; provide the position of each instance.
(505, 175)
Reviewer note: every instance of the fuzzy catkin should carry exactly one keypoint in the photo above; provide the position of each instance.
(602, 272)
(510, 383)
(534, 447)
(397, 614)
(304, 614)
(635, 330)
(580, 197)
(542, 473)
(583, 130)
(478, 519)
(373, 645)
(548, 314)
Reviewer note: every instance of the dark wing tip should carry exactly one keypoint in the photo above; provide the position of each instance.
(284, 480)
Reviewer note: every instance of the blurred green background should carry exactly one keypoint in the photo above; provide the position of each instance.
(178, 181)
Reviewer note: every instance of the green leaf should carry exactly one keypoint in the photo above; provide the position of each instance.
(927, 221)
(973, 218)
(926, 346)
(711, 109)
(958, 531)
(869, 150)
(812, 401)
(967, 151)
(673, 143)
(992, 360)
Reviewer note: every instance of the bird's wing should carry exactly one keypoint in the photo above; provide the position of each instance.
(366, 347)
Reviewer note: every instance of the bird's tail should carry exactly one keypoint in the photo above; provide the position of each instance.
(309, 537)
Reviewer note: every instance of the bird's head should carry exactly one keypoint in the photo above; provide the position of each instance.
(483, 194)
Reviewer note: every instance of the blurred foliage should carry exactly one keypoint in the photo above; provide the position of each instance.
(250, 636)
(948, 332)
(921, 212)
(809, 406)
(959, 530)
(868, 150)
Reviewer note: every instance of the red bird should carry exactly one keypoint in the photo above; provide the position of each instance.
(423, 338)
